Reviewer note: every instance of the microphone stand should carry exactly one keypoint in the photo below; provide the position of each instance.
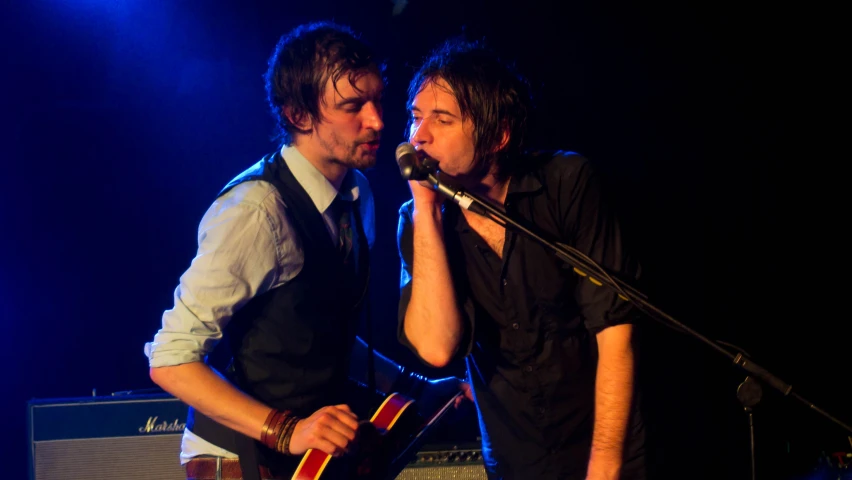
(748, 393)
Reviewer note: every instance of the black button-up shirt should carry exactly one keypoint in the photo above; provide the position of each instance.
(530, 319)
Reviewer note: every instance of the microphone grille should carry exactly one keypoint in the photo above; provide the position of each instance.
(405, 148)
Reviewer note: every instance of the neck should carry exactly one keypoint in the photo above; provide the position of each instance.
(492, 189)
(330, 169)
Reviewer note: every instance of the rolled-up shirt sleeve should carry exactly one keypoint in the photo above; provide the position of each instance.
(240, 255)
(592, 225)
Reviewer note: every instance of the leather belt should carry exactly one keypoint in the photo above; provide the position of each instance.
(204, 468)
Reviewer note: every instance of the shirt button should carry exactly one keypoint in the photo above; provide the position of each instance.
(516, 326)
(505, 282)
(528, 368)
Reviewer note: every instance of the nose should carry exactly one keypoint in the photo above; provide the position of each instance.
(420, 133)
(373, 116)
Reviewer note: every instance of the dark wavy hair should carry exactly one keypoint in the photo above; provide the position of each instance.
(489, 92)
(301, 65)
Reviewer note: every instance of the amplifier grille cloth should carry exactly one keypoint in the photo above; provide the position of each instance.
(157, 457)
(444, 472)
(128, 458)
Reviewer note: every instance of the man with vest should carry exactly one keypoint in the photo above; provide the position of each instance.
(280, 275)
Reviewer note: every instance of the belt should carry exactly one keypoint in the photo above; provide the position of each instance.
(204, 468)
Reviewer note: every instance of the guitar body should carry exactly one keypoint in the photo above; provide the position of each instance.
(390, 429)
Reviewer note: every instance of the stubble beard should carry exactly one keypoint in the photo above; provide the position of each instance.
(353, 156)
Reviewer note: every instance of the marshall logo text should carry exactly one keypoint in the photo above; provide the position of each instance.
(155, 426)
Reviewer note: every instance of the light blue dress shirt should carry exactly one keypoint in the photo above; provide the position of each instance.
(246, 247)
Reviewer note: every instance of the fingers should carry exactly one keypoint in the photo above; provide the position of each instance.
(468, 392)
(422, 191)
(343, 414)
(333, 442)
(330, 429)
(329, 447)
(337, 424)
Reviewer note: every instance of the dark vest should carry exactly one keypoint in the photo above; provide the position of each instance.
(290, 347)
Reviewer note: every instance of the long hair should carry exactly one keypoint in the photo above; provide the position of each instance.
(489, 92)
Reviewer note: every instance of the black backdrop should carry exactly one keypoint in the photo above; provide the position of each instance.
(123, 119)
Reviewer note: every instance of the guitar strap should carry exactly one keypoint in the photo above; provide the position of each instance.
(368, 314)
(371, 360)
(247, 452)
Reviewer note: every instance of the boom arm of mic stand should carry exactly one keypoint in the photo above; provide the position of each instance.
(464, 200)
(586, 267)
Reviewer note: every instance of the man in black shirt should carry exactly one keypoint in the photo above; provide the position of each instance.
(549, 353)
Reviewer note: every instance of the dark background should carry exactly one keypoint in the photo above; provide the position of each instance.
(712, 122)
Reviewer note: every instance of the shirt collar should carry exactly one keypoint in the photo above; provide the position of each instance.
(318, 188)
(524, 183)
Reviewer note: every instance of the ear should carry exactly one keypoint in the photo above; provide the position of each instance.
(300, 120)
(504, 140)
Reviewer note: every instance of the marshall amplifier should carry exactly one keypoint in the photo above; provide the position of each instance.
(445, 462)
(137, 437)
(103, 438)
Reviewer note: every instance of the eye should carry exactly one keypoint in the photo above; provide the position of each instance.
(442, 119)
(353, 107)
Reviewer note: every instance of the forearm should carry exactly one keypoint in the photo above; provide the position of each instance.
(432, 320)
(613, 395)
(199, 386)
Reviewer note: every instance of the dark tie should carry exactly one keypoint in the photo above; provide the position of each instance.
(343, 210)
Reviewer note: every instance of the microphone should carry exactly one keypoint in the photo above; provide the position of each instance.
(411, 168)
